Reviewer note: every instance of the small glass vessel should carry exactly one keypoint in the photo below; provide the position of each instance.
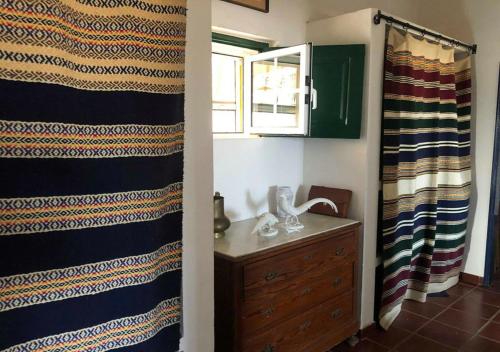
(287, 191)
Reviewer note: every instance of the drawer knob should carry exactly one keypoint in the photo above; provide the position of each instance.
(340, 251)
(271, 275)
(305, 325)
(268, 312)
(268, 348)
(337, 313)
(337, 281)
(308, 257)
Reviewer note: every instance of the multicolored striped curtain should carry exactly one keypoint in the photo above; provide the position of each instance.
(426, 169)
(91, 170)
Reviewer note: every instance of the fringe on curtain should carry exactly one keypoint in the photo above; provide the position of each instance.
(91, 170)
(426, 169)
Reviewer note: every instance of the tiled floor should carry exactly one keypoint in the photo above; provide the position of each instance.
(468, 320)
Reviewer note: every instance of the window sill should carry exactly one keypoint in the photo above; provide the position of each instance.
(234, 136)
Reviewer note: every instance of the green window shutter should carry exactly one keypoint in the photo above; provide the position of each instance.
(241, 42)
(337, 71)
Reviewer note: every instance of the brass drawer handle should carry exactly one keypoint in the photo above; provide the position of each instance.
(337, 282)
(306, 291)
(305, 325)
(340, 251)
(268, 312)
(271, 275)
(268, 348)
(337, 313)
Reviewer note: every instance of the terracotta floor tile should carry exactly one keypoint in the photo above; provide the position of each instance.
(427, 309)
(495, 286)
(497, 319)
(444, 334)
(484, 296)
(492, 331)
(420, 344)
(388, 338)
(479, 344)
(362, 346)
(460, 289)
(409, 321)
(462, 320)
(474, 306)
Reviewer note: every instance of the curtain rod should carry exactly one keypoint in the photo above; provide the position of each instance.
(380, 16)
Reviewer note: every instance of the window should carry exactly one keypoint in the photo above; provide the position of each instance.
(227, 81)
(256, 92)
(227, 87)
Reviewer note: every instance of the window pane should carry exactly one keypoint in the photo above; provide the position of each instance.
(223, 121)
(226, 93)
(275, 92)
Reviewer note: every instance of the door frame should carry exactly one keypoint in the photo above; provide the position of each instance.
(489, 265)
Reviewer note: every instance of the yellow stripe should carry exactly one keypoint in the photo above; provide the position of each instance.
(125, 271)
(94, 206)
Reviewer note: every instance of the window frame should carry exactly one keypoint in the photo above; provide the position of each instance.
(248, 47)
(304, 104)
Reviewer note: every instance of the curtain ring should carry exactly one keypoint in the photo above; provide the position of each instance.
(405, 28)
(422, 34)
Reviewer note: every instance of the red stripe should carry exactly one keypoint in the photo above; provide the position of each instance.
(463, 84)
(394, 297)
(409, 89)
(438, 270)
(435, 76)
(440, 256)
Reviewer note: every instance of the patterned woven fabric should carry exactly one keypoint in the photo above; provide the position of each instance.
(91, 170)
(426, 169)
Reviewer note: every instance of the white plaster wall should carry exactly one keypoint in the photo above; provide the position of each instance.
(352, 164)
(197, 268)
(246, 169)
(247, 172)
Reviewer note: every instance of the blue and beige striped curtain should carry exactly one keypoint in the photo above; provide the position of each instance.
(426, 169)
(91, 170)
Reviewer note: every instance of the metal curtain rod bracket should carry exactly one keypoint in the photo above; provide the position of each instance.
(380, 16)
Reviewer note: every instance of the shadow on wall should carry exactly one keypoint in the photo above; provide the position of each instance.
(258, 206)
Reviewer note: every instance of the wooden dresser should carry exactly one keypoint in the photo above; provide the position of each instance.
(293, 292)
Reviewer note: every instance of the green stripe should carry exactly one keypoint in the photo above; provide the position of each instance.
(465, 110)
(393, 124)
(451, 229)
(413, 106)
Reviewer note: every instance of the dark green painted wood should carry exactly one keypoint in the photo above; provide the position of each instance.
(241, 42)
(338, 72)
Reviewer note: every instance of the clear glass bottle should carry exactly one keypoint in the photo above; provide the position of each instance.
(287, 191)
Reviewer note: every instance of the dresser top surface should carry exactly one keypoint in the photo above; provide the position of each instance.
(239, 242)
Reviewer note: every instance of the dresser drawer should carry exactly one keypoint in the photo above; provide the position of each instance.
(297, 333)
(275, 302)
(319, 258)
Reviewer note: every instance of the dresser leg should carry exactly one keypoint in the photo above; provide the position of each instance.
(353, 340)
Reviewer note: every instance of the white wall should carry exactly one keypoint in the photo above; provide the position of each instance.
(246, 169)
(198, 254)
(354, 164)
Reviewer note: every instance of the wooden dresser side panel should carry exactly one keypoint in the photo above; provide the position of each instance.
(228, 287)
